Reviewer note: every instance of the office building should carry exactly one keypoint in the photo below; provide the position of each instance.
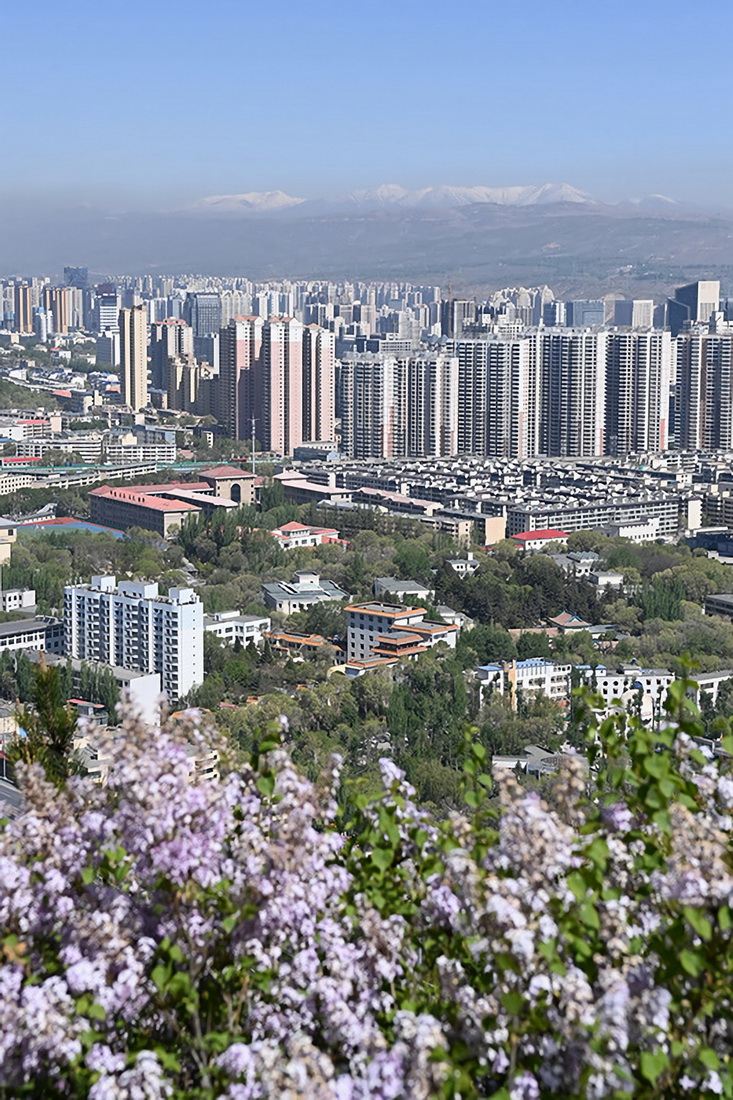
(694, 303)
(107, 307)
(133, 325)
(203, 313)
(638, 313)
(585, 313)
(132, 626)
(77, 277)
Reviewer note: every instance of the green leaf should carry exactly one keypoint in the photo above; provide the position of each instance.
(230, 922)
(653, 1063)
(266, 784)
(699, 922)
(96, 1012)
(589, 915)
(382, 858)
(512, 1002)
(161, 976)
(709, 1058)
(724, 918)
(692, 962)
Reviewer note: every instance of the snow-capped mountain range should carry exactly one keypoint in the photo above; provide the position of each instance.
(392, 196)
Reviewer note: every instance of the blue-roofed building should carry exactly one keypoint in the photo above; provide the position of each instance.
(517, 679)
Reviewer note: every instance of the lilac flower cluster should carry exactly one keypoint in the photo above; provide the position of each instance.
(163, 937)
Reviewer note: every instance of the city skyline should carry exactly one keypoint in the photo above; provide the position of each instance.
(238, 105)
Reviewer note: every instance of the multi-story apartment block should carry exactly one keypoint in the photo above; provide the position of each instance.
(240, 351)
(132, 626)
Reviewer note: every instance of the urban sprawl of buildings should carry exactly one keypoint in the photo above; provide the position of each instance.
(389, 370)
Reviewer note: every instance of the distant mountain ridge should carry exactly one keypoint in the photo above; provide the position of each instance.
(392, 196)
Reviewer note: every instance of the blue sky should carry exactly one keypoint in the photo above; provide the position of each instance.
(158, 103)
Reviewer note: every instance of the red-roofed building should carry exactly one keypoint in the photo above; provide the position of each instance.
(292, 535)
(536, 540)
(124, 507)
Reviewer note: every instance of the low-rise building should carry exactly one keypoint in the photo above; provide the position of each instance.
(297, 646)
(305, 591)
(124, 507)
(232, 627)
(401, 590)
(530, 541)
(18, 599)
(464, 567)
(720, 603)
(645, 529)
(43, 633)
(377, 629)
(518, 679)
(293, 535)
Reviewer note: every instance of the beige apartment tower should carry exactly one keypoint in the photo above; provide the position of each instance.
(134, 357)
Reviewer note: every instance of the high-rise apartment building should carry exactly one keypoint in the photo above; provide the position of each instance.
(704, 363)
(573, 393)
(372, 405)
(638, 374)
(472, 358)
(431, 417)
(240, 352)
(399, 407)
(319, 384)
(133, 325)
(280, 393)
(513, 397)
(169, 339)
(130, 625)
(23, 308)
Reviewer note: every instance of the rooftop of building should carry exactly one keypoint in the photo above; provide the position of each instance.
(143, 500)
(28, 626)
(542, 533)
(226, 473)
(392, 612)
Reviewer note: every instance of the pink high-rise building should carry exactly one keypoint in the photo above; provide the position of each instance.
(240, 349)
(281, 389)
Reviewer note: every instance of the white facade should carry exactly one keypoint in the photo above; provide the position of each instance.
(526, 678)
(131, 625)
(232, 627)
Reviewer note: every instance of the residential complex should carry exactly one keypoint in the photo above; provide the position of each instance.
(132, 626)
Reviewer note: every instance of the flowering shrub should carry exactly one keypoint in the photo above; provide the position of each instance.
(162, 938)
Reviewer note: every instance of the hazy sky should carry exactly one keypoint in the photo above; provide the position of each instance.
(156, 103)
